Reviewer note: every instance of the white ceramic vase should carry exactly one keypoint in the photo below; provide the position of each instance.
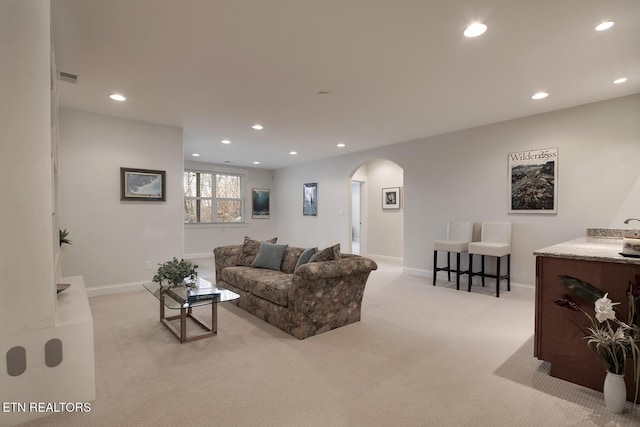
(615, 392)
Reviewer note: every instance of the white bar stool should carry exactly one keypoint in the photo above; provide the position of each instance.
(496, 242)
(459, 234)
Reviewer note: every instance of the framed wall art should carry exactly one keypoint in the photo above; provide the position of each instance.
(310, 199)
(142, 185)
(391, 198)
(533, 181)
(260, 203)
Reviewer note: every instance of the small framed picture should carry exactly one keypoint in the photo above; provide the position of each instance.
(391, 198)
(142, 185)
(310, 199)
(260, 203)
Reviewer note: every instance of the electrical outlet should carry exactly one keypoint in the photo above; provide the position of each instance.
(148, 265)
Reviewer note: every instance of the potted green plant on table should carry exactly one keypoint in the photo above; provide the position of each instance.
(612, 339)
(175, 272)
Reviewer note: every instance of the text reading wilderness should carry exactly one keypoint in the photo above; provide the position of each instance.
(534, 155)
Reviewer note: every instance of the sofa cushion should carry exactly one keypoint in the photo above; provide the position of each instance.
(236, 276)
(328, 254)
(246, 278)
(269, 256)
(250, 249)
(274, 288)
(290, 259)
(305, 256)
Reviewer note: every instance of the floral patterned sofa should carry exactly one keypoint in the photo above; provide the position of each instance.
(323, 294)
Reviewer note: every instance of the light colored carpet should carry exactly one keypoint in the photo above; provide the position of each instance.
(421, 356)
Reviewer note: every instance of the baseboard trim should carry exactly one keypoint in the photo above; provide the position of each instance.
(199, 255)
(115, 289)
(385, 258)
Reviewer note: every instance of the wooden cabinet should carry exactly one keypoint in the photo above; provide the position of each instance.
(558, 339)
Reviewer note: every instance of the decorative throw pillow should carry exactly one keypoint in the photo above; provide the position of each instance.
(290, 258)
(327, 254)
(250, 249)
(269, 256)
(305, 257)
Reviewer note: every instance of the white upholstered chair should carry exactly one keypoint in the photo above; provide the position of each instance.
(496, 242)
(459, 234)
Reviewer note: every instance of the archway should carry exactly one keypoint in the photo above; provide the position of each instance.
(377, 228)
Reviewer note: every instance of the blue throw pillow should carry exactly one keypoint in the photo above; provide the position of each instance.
(305, 257)
(269, 256)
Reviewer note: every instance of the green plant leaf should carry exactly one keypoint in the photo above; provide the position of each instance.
(175, 271)
(581, 288)
(64, 234)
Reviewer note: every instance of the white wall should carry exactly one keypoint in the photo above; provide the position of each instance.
(385, 227)
(356, 211)
(332, 225)
(201, 239)
(463, 176)
(382, 228)
(113, 239)
(26, 238)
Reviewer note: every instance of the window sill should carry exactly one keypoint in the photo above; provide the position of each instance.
(190, 225)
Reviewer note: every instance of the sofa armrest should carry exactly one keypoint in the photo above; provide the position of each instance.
(328, 294)
(226, 256)
(345, 266)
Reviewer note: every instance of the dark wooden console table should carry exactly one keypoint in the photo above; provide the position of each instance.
(557, 338)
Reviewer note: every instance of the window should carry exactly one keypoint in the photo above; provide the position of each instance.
(211, 198)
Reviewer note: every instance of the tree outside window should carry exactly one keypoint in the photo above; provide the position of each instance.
(211, 197)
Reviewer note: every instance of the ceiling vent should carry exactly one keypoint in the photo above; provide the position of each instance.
(67, 77)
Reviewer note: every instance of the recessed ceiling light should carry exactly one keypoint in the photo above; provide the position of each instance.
(256, 163)
(226, 141)
(293, 153)
(605, 25)
(474, 30)
(620, 80)
(196, 155)
(540, 95)
(257, 126)
(117, 97)
(341, 145)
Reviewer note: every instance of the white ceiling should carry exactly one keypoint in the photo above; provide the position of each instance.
(396, 70)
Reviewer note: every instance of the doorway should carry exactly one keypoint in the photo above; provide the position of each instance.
(375, 229)
(356, 216)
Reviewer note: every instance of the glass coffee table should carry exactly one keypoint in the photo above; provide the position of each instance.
(183, 299)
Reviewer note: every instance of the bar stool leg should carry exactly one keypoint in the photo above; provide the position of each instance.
(458, 271)
(470, 271)
(449, 266)
(509, 272)
(482, 270)
(498, 278)
(435, 266)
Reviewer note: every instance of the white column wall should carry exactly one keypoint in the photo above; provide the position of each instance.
(26, 238)
(29, 319)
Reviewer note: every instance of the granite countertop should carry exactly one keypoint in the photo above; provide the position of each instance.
(593, 247)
